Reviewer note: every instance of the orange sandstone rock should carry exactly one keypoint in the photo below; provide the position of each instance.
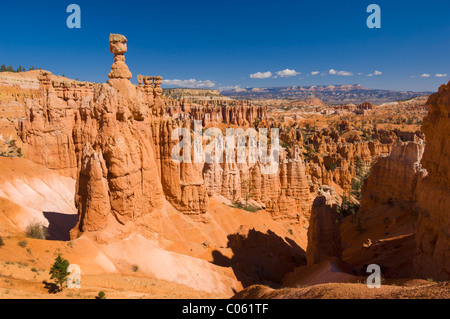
(394, 179)
(324, 238)
(432, 258)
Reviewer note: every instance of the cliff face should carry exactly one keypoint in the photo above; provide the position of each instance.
(182, 183)
(287, 195)
(433, 233)
(50, 119)
(284, 194)
(241, 113)
(394, 179)
(331, 149)
(415, 178)
(324, 238)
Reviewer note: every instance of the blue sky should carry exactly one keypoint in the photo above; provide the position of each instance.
(222, 43)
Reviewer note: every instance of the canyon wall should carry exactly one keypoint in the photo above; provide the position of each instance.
(284, 193)
(241, 113)
(324, 238)
(333, 159)
(432, 258)
(394, 179)
(416, 178)
(115, 139)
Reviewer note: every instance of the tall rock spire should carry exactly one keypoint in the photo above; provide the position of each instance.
(118, 46)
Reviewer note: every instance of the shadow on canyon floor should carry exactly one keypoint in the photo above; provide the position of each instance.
(60, 225)
(261, 258)
(52, 288)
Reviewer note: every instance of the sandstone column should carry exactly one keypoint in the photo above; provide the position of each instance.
(118, 46)
(324, 238)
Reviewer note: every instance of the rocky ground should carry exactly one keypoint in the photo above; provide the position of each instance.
(420, 290)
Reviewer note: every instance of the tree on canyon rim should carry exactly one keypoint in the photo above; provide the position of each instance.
(59, 271)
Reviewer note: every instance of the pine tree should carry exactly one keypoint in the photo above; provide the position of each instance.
(59, 271)
(248, 191)
(101, 295)
(10, 69)
(3, 68)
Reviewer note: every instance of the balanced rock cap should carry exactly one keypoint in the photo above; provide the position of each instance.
(117, 43)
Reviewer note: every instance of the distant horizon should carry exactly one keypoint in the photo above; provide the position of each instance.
(134, 80)
(305, 86)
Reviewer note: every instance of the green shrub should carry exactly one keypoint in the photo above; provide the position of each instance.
(22, 243)
(347, 207)
(1, 242)
(249, 208)
(333, 166)
(135, 268)
(36, 231)
(101, 295)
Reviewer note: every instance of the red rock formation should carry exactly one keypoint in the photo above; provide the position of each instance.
(103, 135)
(49, 122)
(333, 158)
(118, 46)
(363, 108)
(241, 113)
(394, 179)
(115, 139)
(433, 233)
(117, 157)
(285, 194)
(324, 238)
(290, 197)
(399, 180)
(182, 183)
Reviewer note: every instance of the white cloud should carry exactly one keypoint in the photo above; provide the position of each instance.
(287, 72)
(191, 83)
(439, 75)
(261, 75)
(425, 75)
(315, 72)
(374, 73)
(343, 73)
(236, 88)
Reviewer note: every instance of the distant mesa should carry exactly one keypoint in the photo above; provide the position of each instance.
(332, 94)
